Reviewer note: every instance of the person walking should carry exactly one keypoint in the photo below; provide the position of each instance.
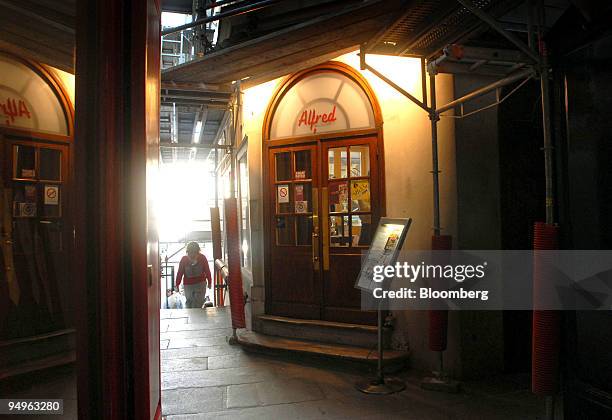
(193, 268)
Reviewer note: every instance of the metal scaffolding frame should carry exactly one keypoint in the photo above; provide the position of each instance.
(535, 65)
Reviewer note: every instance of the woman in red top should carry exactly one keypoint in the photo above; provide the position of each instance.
(194, 268)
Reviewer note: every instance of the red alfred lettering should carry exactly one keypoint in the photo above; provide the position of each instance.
(12, 109)
(312, 118)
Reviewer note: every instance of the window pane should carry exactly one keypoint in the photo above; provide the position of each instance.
(361, 229)
(26, 162)
(283, 166)
(304, 230)
(360, 161)
(51, 235)
(336, 160)
(338, 196)
(339, 231)
(360, 195)
(302, 165)
(50, 164)
(284, 230)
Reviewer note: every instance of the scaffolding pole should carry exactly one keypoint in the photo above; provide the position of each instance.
(434, 116)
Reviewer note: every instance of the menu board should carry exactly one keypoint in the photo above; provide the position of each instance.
(384, 250)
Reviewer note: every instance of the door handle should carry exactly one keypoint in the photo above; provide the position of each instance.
(315, 229)
(150, 274)
(325, 226)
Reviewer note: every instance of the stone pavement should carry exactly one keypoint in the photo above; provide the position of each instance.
(203, 377)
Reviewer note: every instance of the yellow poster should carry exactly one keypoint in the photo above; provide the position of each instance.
(360, 190)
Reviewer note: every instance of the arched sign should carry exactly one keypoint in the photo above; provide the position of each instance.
(28, 101)
(328, 99)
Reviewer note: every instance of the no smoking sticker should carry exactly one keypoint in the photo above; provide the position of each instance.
(51, 195)
(283, 193)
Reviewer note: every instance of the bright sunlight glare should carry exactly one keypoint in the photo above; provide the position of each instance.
(184, 196)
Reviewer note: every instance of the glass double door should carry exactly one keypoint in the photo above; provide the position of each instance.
(325, 203)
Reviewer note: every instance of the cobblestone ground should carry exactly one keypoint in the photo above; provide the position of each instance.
(203, 377)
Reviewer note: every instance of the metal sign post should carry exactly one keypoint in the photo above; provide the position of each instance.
(384, 250)
(381, 385)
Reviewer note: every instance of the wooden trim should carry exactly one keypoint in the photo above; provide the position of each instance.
(35, 135)
(57, 88)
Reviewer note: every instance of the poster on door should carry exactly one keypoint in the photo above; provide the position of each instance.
(299, 193)
(360, 190)
(338, 192)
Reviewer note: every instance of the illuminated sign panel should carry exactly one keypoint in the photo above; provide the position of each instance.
(322, 103)
(26, 100)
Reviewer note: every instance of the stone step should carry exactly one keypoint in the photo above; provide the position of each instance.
(393, 360)
(322, 331)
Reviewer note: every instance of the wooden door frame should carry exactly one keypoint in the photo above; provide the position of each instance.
(267, 144)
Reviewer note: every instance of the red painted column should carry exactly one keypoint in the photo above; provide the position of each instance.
(115, 258)
(232, 238)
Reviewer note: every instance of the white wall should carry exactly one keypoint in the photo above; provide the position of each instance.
(407, 146)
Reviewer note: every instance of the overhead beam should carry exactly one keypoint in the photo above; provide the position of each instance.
(168, 145)
(486, 89)
(191, 102)
(282, 69)
(197, 86)
(195, 97)
(365, 66)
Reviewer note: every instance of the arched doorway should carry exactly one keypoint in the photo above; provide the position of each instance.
(324, 192)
